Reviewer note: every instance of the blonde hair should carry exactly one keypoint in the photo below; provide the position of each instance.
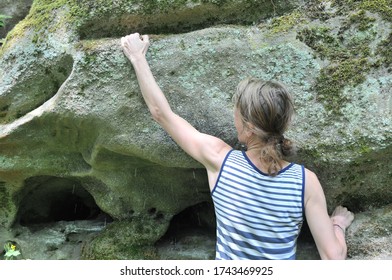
(268, 106)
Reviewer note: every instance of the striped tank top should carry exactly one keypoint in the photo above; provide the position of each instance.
(258, 216)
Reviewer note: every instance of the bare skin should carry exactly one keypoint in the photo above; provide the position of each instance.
(328, 232)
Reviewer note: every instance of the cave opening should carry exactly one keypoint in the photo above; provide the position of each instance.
(190, 235)
(197, 217)
(48, 199)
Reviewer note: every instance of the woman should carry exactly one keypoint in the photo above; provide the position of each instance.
(259, 198)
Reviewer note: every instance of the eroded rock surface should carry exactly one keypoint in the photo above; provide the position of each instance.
(74, 129)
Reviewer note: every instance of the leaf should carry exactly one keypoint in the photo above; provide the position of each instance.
(2, 19)
(12, 253)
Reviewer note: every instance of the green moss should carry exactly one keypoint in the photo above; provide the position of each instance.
(361, 20)
(334, 78)
(132, 239)
(348, 67)
(151, 7)
(321, 39)
(384, 51)
(332, 45)
(4, 197)
(381, 7)
(286, 22)
(127, 252)
(6, 205)
(88, 45)
(317, 9)
(349, 54)
(107, 18)
(42, 15)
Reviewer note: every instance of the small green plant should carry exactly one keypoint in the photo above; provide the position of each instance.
(2, 20)
(11, 251)
(2, 24)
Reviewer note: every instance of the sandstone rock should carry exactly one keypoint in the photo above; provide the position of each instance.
(74, 126)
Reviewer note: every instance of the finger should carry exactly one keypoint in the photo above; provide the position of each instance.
(135, 35)
(124, 44)
(123, 41)
(146, 39)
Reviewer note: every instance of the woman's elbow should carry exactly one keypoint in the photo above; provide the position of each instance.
(156, 114)
(337, 254)
(160, 116)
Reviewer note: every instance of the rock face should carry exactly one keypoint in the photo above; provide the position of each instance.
(77, 141)
(15, 10)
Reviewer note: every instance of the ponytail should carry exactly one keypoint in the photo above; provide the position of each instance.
(275, 149)
(268, 106)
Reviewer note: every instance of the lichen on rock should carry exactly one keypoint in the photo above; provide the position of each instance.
(73, 121)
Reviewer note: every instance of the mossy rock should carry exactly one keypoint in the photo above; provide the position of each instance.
(124, 240)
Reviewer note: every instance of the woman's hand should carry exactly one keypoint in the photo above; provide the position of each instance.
(135, 46)
(342, 217)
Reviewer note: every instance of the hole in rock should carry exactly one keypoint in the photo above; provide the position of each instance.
(199, 218)
(191, 234)
(52, 199)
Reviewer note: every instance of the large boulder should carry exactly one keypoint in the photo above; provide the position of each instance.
(77, 141)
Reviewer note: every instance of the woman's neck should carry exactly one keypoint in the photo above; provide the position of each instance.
(254, 154)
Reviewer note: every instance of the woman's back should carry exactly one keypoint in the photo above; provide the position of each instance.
(258, 216)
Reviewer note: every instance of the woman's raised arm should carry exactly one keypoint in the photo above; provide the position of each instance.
(206, 149)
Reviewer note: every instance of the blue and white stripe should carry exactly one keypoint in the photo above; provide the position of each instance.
(258, 216)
